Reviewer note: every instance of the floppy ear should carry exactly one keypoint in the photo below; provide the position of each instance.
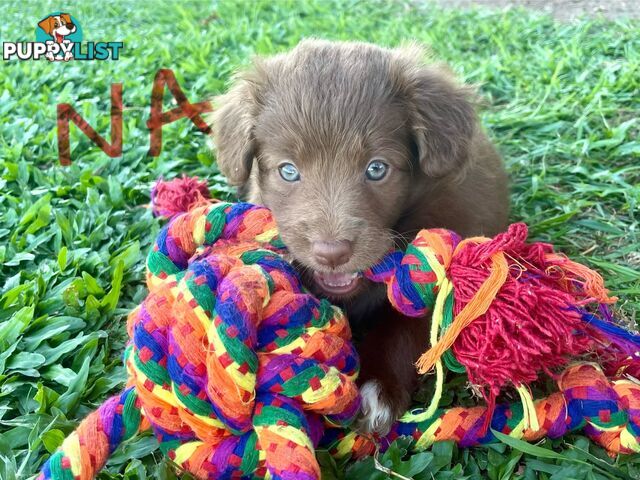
(47, 25)
(66, 17)
(232, 125)
(441, 113)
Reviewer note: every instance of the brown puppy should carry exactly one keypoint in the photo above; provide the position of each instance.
(355, 148)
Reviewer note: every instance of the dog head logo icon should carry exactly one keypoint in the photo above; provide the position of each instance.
(60, 28)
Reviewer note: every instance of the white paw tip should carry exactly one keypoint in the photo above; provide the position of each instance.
(377, 414)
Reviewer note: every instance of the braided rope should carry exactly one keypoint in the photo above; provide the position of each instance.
(86, 450)
(498, 308)
(608, 412)
(239, 371)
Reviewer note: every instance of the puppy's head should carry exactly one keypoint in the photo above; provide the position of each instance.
(58, 26)
(333, 138)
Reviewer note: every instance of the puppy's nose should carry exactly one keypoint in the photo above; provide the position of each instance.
(332, 254)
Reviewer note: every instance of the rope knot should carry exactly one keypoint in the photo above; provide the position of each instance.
(415, 277)
(230, 355)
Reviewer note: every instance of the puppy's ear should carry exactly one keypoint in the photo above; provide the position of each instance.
(441, 113)
(47, 25)
(233, 123)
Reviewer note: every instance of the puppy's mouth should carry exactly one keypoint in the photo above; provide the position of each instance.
(337, 284)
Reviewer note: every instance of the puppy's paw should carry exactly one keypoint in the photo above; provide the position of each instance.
(377, 413)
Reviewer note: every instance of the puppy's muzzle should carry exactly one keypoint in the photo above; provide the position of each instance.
(332, 254)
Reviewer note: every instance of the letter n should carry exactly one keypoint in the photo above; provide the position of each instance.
(67, 113)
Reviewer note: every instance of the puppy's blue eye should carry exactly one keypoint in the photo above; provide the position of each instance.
(377, 170)
(289, 172)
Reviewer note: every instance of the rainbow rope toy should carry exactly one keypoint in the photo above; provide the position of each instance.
(241, 373)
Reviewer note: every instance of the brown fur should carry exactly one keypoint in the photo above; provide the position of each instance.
(329, 108)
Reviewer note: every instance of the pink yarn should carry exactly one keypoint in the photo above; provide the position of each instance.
(169, 198)
(530, 326)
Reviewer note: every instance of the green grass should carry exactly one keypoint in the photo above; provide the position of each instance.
(562, 103)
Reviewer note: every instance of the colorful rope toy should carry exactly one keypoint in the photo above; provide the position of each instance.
(240, 372)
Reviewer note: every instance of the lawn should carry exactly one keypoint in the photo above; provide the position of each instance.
(562, 103)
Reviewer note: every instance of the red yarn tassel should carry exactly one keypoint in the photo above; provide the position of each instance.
(172, 197)
(530, 325)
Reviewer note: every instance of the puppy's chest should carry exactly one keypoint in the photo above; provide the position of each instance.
(367, 311)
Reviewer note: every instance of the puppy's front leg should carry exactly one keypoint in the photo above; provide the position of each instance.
(388, 376)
